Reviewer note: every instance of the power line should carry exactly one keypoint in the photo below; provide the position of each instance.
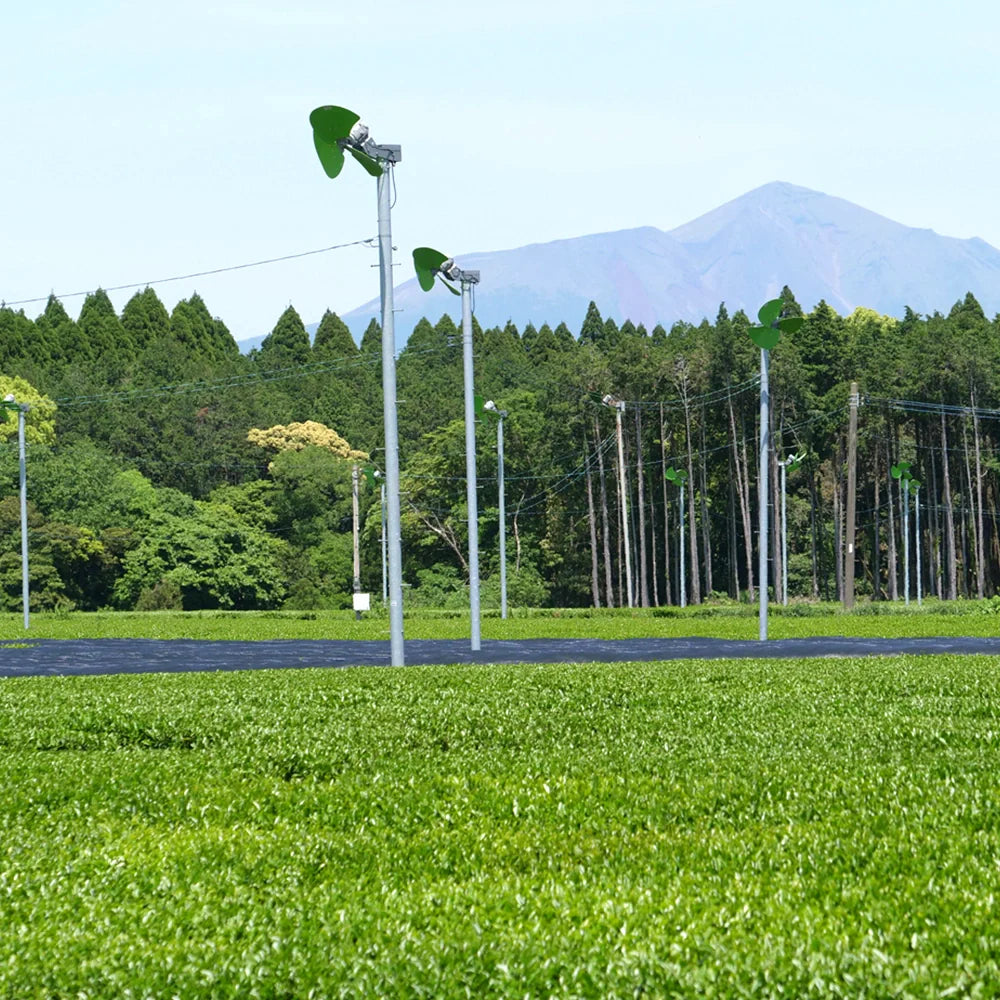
(370, 241)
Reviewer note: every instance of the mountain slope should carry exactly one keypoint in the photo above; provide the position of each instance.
(741, 253)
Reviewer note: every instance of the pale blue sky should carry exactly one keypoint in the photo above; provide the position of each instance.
(140, 141)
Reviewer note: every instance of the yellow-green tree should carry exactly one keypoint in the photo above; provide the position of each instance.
(297, 436)
(40, 420)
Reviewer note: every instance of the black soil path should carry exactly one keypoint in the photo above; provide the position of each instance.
(66, 657)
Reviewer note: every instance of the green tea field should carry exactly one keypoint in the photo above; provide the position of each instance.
(757, 828)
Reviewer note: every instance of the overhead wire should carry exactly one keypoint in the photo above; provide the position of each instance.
(369, 241)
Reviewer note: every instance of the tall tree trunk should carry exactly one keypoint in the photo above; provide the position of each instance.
(877, 546)
(838, 520)
(706, 532)
(774, 521)
(633, 533)
(667, 598)
(980, 539)
(743, 490)
(694, 575)
(620, 522)
(814, 535)
(640, 481)
(734, 576)
(594, 577)
(652, 545)
(609, 591)
(968, 515)
(893, 561)
(949, 516)
(937, 568)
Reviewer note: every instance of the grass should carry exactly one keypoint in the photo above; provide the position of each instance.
(756, 828)
(728, 621)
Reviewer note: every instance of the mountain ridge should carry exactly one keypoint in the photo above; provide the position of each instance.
(741, 253)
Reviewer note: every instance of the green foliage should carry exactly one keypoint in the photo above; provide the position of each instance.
(39, 421)
(559, 831)
(287, 343)
(210, 555)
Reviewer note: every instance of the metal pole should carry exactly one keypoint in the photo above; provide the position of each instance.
(357, 535)
(765, 445)
(682, 575)
(852, 478)
(25, 595)
(503, 518)
(916, 505)
(906, 541)
(470, 464)
(385, 576)
(619, 410)
(394, 529)
(784, 536)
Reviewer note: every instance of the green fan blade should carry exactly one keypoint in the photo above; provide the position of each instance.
(764, 337)
(477, 403)
(770, 311)
(671, 474)
(899, 470)
(790, 324)
(372, 166)
(331, 123)
(331, 156)
(451, 288)
(369, 474)
(914, 484)
(426, 262)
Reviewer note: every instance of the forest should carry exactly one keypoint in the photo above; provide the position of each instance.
(164, 470)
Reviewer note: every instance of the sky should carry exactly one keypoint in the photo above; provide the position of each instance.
(141, 141)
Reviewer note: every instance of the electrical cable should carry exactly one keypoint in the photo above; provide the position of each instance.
(196, 274)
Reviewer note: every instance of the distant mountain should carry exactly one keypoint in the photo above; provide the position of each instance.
(741, 253)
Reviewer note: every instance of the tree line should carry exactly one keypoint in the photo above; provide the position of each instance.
(148, 488)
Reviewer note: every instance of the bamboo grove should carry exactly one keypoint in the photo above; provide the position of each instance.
(150, 455)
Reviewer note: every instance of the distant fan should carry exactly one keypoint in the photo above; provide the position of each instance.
(336, 129)
(767, 335)
(430, 263)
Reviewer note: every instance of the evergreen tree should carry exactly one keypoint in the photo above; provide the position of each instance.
(64, 339)
(103, 331)
(565, 338)
(16, 339)
(529, 336)
(592, 331)
(287, 344)
(371, 340)
(333, 339)
(429, 378)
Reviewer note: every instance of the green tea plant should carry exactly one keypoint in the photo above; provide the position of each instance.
(754, 828)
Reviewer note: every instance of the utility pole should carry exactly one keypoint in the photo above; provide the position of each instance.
(852, 472)
(618, 405)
